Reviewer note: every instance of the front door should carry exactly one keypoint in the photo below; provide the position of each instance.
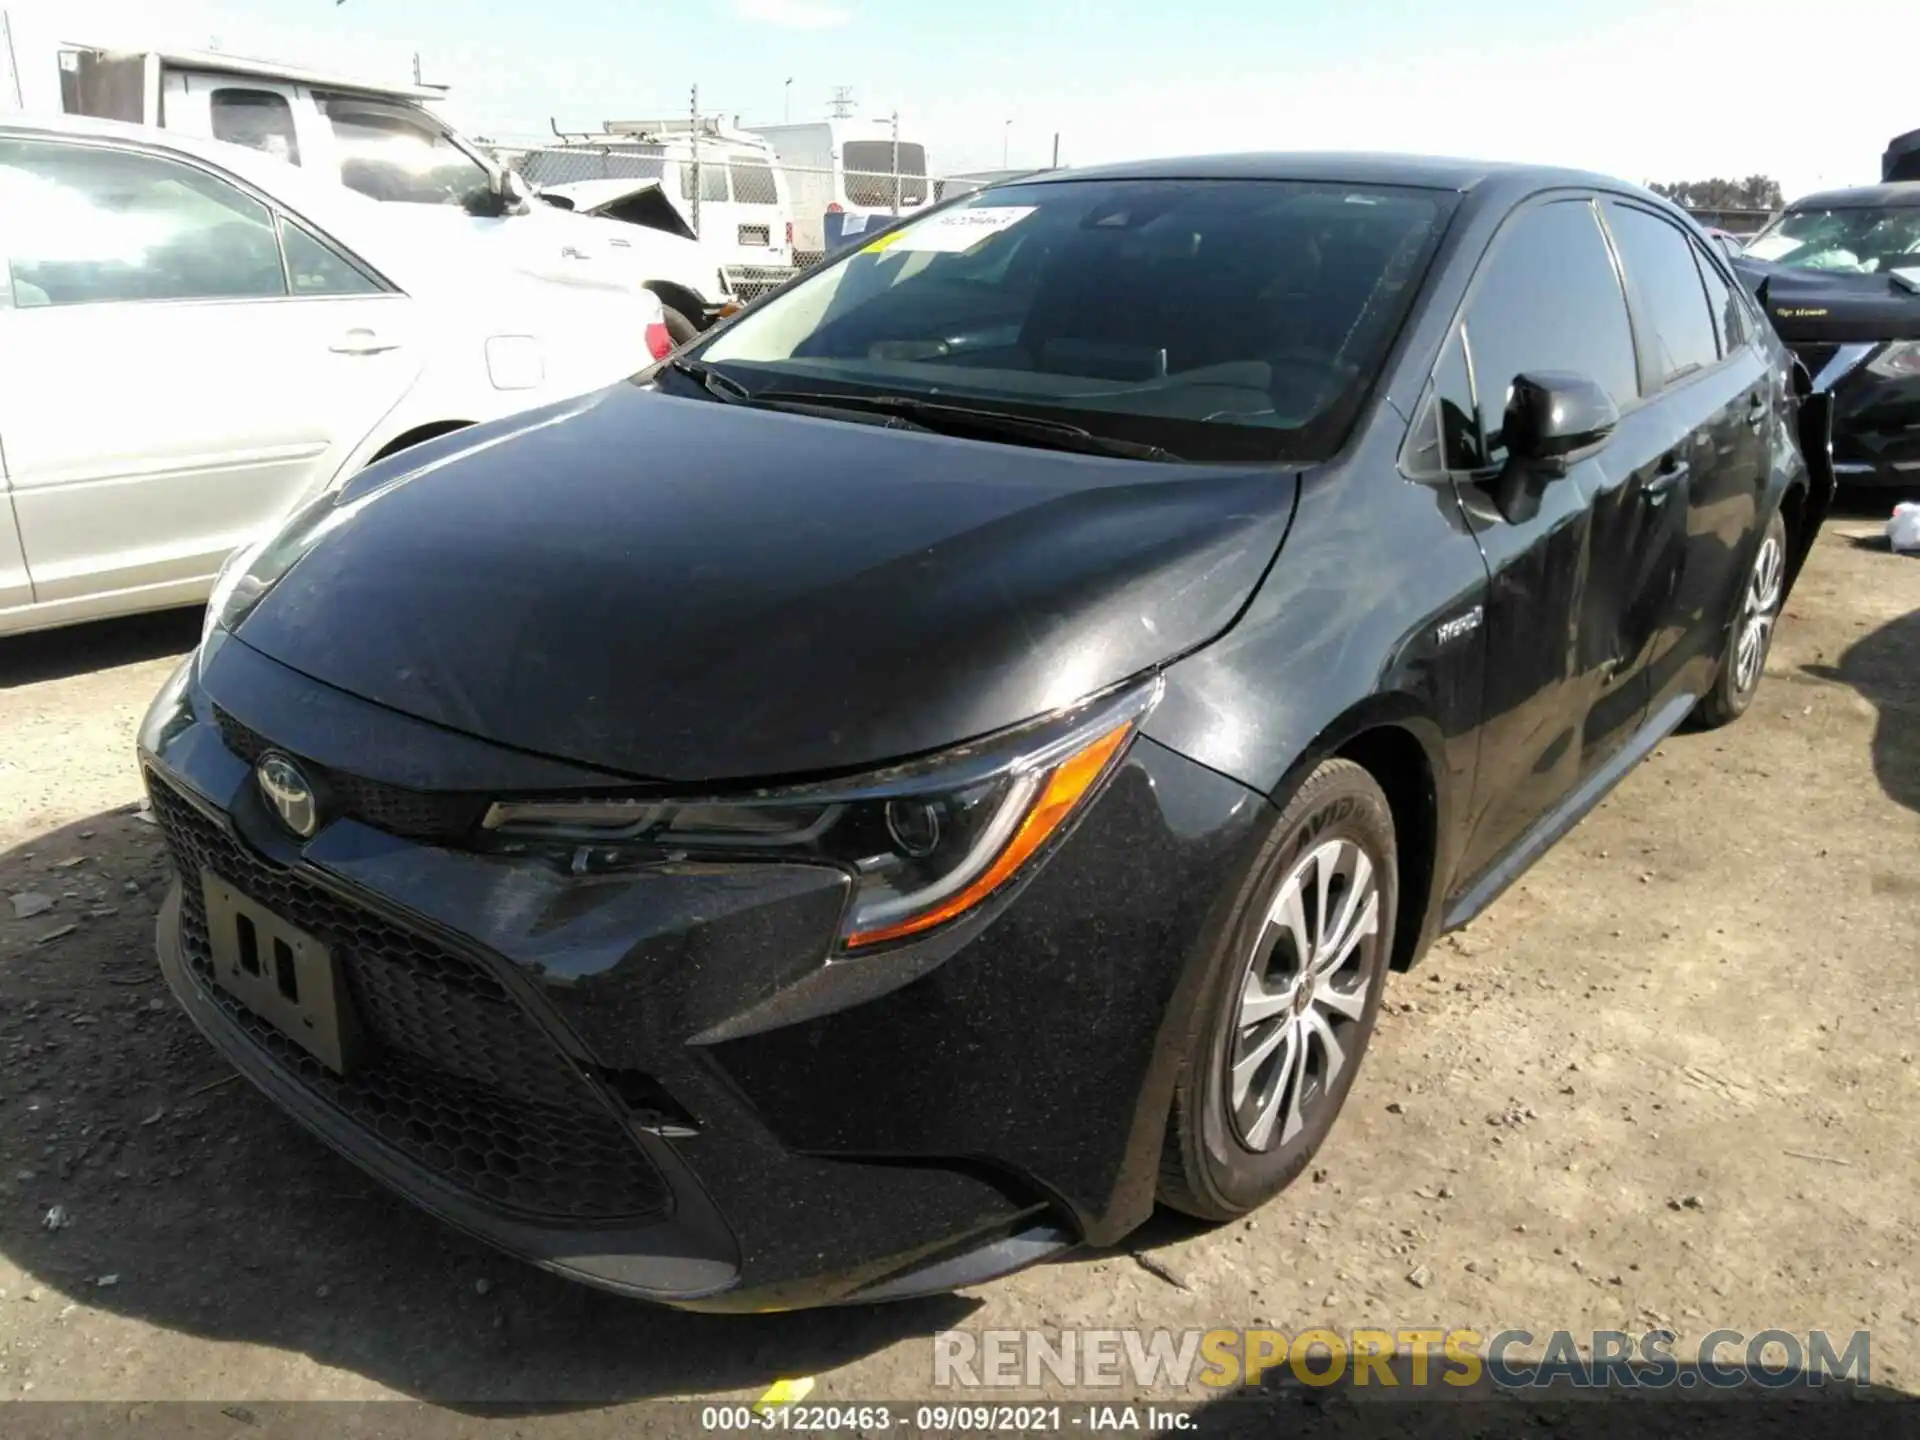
(1561, 693)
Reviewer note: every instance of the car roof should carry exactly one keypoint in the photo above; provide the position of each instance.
(351, 218)
(1862, 197)
(1431, 172)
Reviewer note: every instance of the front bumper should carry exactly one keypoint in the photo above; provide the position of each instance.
(658, 1082)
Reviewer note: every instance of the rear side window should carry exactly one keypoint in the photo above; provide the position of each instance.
(316, 268)
(1659, 261)
(1729, 316)
(258, 119)
(753, 183)
(1549, 299)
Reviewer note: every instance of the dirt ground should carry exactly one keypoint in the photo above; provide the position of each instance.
(1670, 1078)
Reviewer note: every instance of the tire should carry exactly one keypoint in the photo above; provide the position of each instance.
(1737, 680)
(1231, 1146)
(679, 328)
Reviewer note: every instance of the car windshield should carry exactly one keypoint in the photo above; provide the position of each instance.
(1853, 241)
(1219, 320)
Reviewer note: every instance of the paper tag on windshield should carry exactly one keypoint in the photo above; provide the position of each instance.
(955, 230)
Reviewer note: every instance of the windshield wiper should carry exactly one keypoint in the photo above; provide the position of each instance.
(971, 420)
(709, 379)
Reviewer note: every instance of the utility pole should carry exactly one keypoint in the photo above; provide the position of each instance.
(842, 101)
(416, 67)
(693, 134)
(13, 61)
(1056, 150)
(896, 162)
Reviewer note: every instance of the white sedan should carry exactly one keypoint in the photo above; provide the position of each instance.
(195, 339)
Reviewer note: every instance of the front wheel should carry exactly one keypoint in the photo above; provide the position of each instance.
(1745, 660)
(1291, 1000)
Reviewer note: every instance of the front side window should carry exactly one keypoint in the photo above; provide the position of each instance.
(259, 119)
(1447, 435)
(1218, 319)
(396, 153)
(1549, 299)
(1659, 261)
(1854, 241)
(92, 225)
(875, 168)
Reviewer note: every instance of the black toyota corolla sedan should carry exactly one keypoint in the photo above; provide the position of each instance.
(1839, 277)
(954, 756)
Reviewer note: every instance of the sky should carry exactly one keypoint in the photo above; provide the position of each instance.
(1648, 90)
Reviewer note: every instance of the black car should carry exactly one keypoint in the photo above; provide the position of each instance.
(1839, 276)
(952, 757)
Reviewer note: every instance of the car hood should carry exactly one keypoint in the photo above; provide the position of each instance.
(689, 591)
(1832, 307)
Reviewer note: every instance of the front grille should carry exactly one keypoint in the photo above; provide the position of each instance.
(460, 1079)
(438, 819)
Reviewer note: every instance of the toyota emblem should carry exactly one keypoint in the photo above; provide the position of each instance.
(288, 792)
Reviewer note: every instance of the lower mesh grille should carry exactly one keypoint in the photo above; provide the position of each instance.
(461, 1080)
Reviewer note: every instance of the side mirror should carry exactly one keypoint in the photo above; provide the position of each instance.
(1552, 418)
(512, 192)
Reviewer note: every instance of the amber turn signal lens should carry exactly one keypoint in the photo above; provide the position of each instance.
(1066, 786)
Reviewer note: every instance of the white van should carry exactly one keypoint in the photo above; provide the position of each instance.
(723, 181)
(854, 167)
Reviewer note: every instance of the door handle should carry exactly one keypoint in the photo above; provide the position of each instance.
(1757, 409)
(1671, 472)
(362, 342)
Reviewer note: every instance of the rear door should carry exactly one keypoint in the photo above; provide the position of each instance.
(179, 364)
(1711, 399)
(1561, 697)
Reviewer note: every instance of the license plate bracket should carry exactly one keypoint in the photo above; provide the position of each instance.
(279, 972)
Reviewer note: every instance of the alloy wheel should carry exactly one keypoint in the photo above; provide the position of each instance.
(1757, 614)
(1305, 983)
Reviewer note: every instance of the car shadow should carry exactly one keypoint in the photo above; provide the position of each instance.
(1884, 667)
(179, 1197)
(97, 645)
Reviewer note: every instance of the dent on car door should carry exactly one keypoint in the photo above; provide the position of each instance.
(164, 397)
(1558, 701)
(1702, 449)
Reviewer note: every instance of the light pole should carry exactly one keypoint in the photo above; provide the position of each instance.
(786, 103)
(1006, 144)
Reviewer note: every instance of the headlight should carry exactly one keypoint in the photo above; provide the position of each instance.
(925, 843)
(1899, 361)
